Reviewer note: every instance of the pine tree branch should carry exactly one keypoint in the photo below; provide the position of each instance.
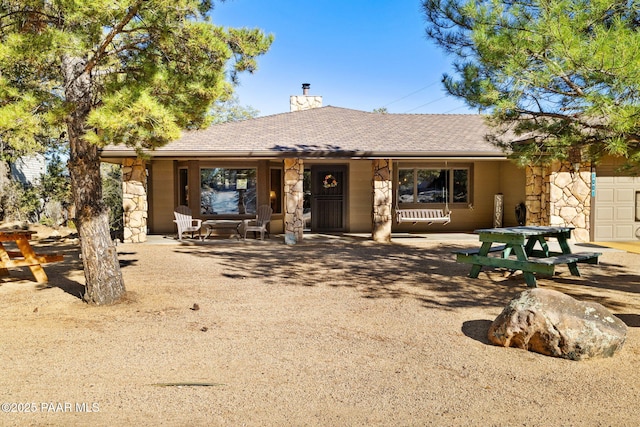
(117, 29)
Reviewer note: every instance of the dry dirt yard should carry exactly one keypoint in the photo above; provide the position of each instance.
(333, 331)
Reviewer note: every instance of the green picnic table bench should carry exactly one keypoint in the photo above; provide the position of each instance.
(517, 247)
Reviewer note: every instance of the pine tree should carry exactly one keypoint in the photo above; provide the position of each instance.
(100, 72)
(564, 75)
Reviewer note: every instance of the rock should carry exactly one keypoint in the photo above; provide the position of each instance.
(555, 324)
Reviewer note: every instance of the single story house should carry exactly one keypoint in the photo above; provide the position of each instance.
(330, 169)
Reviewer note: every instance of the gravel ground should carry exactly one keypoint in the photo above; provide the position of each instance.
(333, 331)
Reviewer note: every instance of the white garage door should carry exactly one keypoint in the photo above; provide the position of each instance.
(616, 208)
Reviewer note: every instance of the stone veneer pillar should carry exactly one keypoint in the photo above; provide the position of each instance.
(134, 200)
(293, 201)
(382, 187)
(537, 195)
(557, 195)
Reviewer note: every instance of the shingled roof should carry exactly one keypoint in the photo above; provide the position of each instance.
(335, 133)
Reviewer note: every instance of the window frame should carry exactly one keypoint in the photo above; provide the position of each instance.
(450, 168)
(183, 185)
(235, 167)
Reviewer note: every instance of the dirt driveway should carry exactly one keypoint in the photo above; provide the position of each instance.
(333, 331)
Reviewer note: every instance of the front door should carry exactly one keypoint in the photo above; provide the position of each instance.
(328, 198)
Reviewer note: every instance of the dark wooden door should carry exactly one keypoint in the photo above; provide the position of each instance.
(328, 198)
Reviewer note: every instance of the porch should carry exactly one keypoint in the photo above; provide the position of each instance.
(363, 195)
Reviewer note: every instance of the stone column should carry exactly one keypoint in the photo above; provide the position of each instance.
(537, 195)
(134, 200)
(293, 201)
(382, 187)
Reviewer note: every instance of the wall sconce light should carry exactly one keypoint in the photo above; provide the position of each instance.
(272, 195)
(575, 158)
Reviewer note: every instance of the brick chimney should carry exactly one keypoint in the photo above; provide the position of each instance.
(304, 101)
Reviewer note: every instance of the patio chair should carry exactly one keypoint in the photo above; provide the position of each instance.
(263, 217)
(185, 222)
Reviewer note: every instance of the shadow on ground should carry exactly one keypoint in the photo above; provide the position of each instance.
(427, 274)
(419, 269)
(477, 329)
(63, 274)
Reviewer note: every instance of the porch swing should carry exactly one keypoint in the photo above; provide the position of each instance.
(428, 215)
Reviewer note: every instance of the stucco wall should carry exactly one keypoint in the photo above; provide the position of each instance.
(360, 198)
(486, 183)
(513, 187)
(488, 179)
(162, 197)
(491, 178)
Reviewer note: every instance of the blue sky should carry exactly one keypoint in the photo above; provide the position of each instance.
(355, 54)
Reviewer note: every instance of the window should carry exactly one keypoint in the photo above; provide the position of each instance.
(183, 187)
(227, 191)
(433, 185)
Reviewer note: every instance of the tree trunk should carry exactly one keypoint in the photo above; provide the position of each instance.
(104, 283)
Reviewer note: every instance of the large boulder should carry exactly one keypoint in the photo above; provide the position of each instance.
(554, 324)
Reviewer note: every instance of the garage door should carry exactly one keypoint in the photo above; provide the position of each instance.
(616, 208)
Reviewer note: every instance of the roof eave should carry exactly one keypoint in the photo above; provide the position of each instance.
(319, 154)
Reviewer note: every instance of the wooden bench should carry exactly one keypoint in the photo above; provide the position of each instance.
(585, 257)
(18, 260)
(430, 216)
(476, 251)
(544, 266)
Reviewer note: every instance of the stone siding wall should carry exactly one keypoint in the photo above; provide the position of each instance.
(570, 199)
(134, 200)
(558, 195)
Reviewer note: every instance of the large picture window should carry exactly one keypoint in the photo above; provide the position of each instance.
(418, 185)
(227, 191)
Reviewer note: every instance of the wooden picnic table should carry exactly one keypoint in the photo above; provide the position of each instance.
(25, 257)
(517, 247)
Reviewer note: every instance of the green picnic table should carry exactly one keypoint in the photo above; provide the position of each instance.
(524, 248)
